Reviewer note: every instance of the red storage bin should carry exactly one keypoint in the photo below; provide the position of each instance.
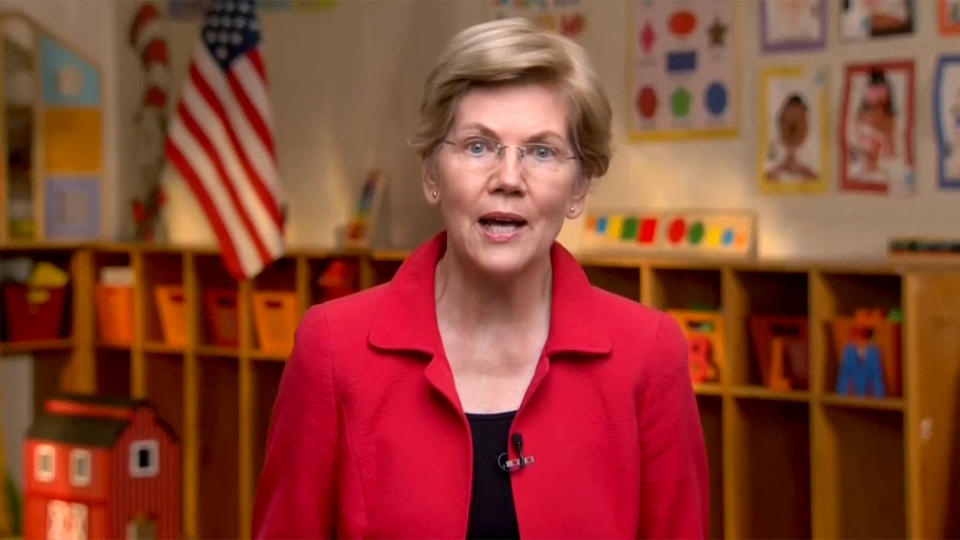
(33, 313)
(222, 316)
(115, 314)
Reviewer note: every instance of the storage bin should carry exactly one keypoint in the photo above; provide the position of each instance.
(222, 316)
(33, 313)
(275, 320)
(172, 308)
(114, 306)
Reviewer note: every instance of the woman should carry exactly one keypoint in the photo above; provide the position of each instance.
(488, 390)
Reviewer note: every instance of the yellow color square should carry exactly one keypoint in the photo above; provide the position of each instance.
(614, 227)
(72, 140)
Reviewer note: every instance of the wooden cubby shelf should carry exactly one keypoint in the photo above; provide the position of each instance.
(788, 463)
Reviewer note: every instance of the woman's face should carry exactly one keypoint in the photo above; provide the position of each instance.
(502, 216)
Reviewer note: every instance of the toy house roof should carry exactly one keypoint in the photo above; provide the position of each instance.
(77, 430)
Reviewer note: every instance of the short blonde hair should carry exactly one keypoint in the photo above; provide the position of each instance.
(515, 51)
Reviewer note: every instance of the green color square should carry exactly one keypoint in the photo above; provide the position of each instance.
(629, 231)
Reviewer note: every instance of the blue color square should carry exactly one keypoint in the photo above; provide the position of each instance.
(67, 79)
(72, 207)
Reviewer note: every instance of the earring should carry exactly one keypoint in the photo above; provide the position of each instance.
(434, 194)
(573, 209)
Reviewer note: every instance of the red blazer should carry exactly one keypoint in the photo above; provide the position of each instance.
(368, 438)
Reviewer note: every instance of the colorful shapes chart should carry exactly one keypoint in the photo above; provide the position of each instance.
(687, 232)
(684, 56)
(67, 79)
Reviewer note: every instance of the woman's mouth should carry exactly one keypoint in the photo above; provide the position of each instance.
(500, 226)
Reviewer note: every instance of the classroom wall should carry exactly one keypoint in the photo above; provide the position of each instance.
(345, 84)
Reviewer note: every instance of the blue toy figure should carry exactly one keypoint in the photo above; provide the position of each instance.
(861, 372)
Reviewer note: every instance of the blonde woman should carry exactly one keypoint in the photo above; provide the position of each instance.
(488, 391)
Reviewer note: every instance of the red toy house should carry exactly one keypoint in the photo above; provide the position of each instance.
(100, 467)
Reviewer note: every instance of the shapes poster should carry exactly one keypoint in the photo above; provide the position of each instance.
(946, 119)
(791, 25)
(876, 130)
(66, 78)
(865, 19)
(793, 152)
(949, 16)
(683, 69)
(564, 16)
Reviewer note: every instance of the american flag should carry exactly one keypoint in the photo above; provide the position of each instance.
(221, 139)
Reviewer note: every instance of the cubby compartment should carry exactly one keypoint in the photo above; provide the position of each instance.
(48, 372)
(384, 265)
(768, 332)
(113, 372)
(770, 464)
(711, 419)
(267, 376)
(332, 278)
(219, 423)
(113, 299)
(686, 289)
(37, 310)
(842, 295)
(164, 305)
(164, 388)
(217, 305)
(862, 466)
(624, 281)
(274, 311)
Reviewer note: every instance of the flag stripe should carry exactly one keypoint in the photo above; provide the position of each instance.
(188, 174)
(246, 255)
(268, 232)
(259, 157)
(259, 127)
(256, 182)
(256, 90)
(198, 134)
(257, 62)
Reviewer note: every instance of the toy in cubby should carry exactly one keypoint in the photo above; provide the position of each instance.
(868, 345)
(222, 316)
(275, 320)
(340, 278)
(34, 298)
(780, 344)
(704, 333)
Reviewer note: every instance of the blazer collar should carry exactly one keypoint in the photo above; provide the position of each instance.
(406, 319)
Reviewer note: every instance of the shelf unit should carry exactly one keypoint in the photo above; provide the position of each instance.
(801, 463)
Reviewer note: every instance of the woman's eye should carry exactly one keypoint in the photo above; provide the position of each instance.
(543, 152)
(477, 148)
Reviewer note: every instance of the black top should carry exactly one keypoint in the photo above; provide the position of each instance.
(491, 501)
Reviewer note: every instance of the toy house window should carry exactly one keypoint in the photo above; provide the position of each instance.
(43, 459)
(144, 459)
(80, 467)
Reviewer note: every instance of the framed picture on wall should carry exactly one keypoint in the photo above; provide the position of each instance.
(792, 25)
(683, 76)
(793, 156)
(876, 129)
(946, 119)
(949, 16)
(865, 19)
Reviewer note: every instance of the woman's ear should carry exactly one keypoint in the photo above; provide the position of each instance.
(428, 179)
(578, 197)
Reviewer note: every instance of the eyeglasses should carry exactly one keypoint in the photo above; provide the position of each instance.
(482, 154)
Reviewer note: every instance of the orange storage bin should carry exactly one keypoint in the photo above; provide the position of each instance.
(114, 314)
(275, 320)
(222, 316)
(172, 307)
(33, 313)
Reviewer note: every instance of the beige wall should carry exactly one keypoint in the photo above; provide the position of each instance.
(345, 84)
